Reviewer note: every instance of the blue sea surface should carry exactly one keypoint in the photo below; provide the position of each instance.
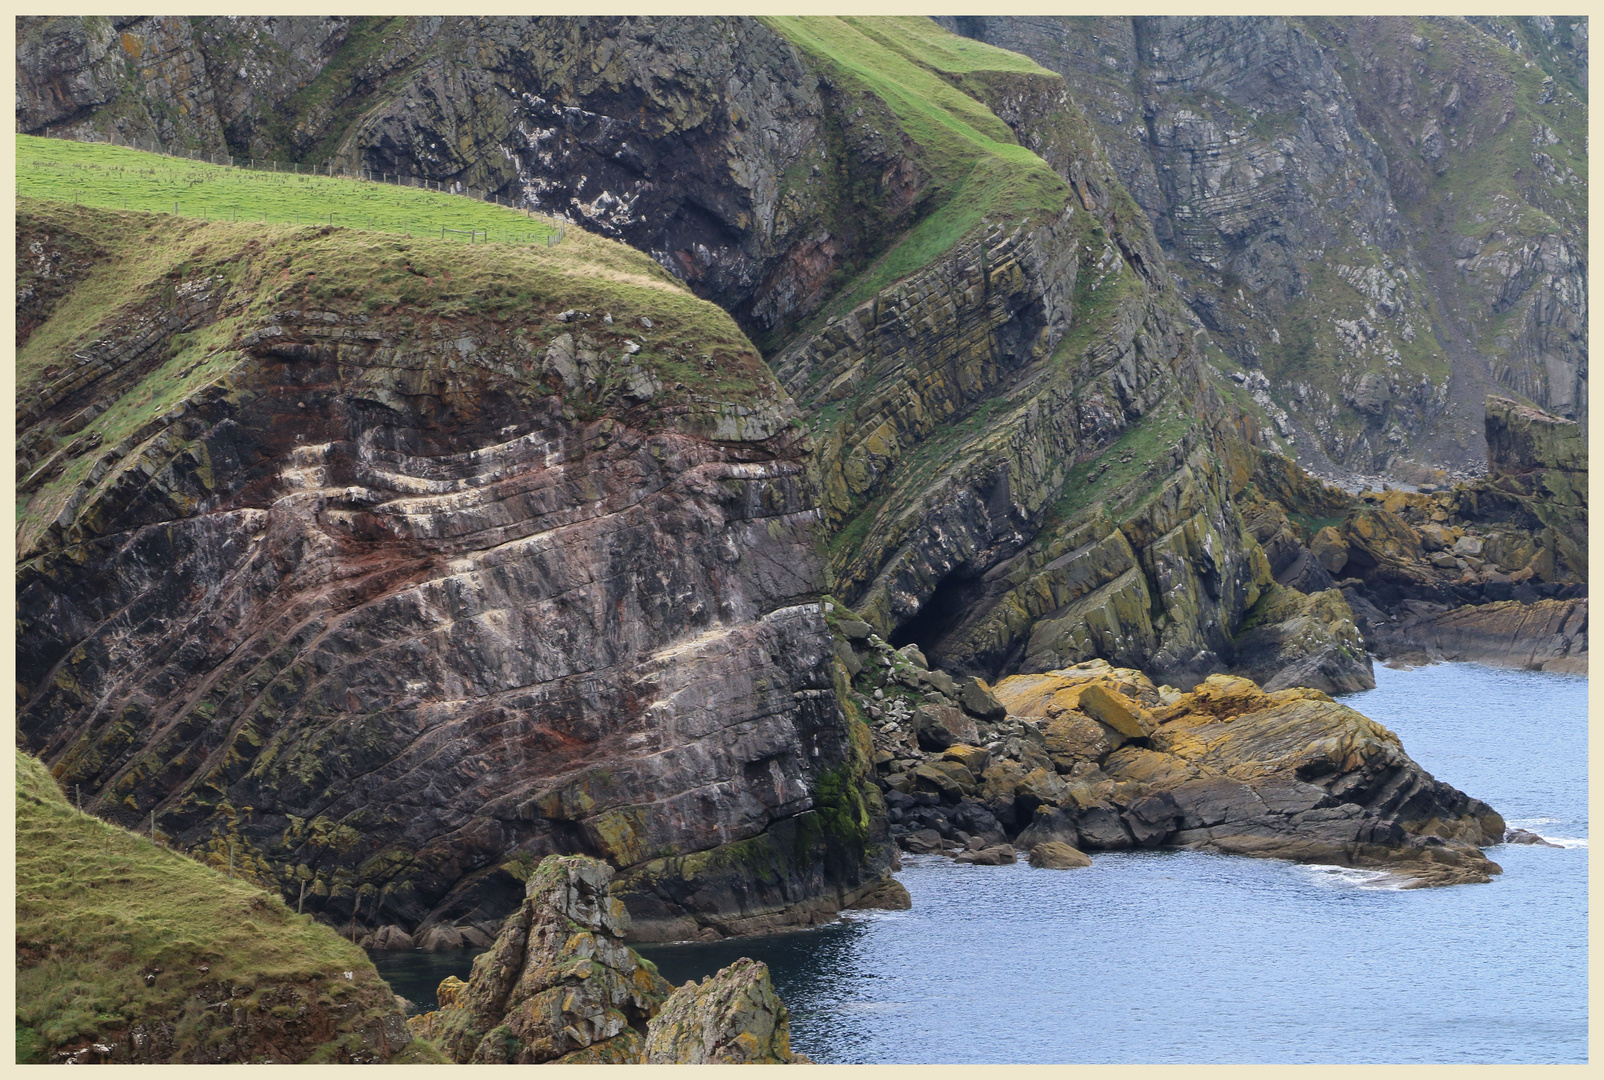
(1152, 957)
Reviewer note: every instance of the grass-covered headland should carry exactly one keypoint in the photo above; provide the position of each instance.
(118, 936)
(118, 177)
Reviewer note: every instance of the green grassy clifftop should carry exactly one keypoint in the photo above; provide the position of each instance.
(130, 953)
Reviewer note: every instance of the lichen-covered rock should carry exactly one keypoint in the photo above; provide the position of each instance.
(733, 1017)
(558, 985)
(1291, 639)
(1230, 767)
(1054, 855)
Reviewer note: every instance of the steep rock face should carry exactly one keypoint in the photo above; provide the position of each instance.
(383, 603)
(996, 312)
(188, 83)
(1404, 196)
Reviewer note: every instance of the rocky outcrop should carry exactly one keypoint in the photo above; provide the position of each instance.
(1548, 635)
(170, 961)
(368, 597)
(1289, 774)
(1405, 197)
(559, 986)
(1056, 855)
(732, 1017)
(1293, 639)
(1096, 757)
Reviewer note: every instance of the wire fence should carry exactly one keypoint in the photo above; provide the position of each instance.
(557, 227)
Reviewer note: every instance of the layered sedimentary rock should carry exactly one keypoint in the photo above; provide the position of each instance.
(400, 587)
(1017, 324)
(1099, 758)
(1406, 197)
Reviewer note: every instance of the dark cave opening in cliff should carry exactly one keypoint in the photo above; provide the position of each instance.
(953, 597)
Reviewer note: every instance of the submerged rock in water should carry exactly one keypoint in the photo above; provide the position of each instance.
(889, 895)
(1526, 836)
(733, 1017)
(1053, 855)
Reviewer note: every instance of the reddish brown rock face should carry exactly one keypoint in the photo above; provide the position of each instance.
(384, 611)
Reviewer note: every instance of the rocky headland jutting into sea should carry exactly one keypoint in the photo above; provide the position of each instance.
(914, 449)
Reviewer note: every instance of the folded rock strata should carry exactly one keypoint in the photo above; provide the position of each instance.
(389, 606)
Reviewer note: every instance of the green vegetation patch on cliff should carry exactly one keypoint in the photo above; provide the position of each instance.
(506, 298)
(977, 168)
(116, 177)
(115, 931)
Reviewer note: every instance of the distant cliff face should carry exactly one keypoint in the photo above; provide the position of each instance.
(1386, 217)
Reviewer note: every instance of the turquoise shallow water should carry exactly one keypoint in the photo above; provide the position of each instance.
(1189, 957)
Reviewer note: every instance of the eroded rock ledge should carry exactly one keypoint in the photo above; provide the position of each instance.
(1102, 759)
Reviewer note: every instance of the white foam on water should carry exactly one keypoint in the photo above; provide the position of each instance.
(1564, 841)
(1348, 876)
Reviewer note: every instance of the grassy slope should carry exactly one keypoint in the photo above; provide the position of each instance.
(98, 174)
(977, 168)
(410, 281)
(98, 907)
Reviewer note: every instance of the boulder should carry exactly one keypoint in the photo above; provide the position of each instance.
(731, 1018)
(1109, 706)
(1330, 549)
(940, 726)
(948, 780)
(970, 757)
(1524, 836)
(923, 842)
(889, 895)
(1053, 855)
(995, 855)
(977, 699)
(389, 939)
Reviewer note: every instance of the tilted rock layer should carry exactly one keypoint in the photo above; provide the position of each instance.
(390, 594)
(1379, 219)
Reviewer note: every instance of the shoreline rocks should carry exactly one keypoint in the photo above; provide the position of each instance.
(560, 986)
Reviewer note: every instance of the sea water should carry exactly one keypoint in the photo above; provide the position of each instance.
(1193, 957)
